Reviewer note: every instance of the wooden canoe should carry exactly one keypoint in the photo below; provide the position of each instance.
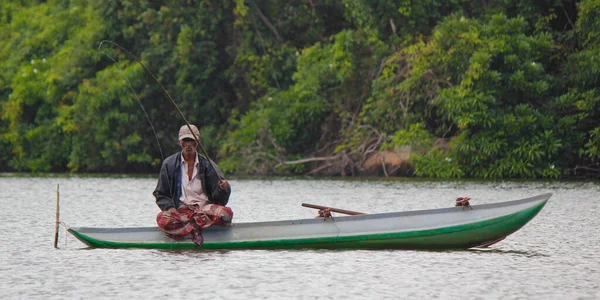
(444, 228)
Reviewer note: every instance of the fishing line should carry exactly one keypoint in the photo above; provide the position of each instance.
(138, 100)
(168, 96)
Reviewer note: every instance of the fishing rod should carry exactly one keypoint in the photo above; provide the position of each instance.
(162, 156)
(168, 96)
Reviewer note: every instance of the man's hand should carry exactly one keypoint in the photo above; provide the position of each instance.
(173, 210)
(224, 185)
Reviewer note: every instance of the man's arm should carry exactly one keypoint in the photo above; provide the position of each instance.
(219, 196)
(162, 193)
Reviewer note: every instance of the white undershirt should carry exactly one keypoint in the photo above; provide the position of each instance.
(192, 192)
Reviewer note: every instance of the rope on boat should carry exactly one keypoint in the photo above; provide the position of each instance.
(58, 221)
(325, 214)
(464, 202)
(66, 229)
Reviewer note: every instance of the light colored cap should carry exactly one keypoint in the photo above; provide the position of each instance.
(184, 132)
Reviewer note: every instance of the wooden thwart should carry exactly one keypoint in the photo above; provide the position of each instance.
(333, 209)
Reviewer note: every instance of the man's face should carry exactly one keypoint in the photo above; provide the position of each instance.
(188, 146)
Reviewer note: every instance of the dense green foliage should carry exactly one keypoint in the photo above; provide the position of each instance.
(471, 89)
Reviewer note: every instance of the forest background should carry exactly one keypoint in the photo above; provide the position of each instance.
(447, 89)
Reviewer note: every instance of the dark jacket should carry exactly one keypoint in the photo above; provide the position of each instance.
(168, 188)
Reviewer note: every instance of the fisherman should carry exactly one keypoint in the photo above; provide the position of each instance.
(190, 193)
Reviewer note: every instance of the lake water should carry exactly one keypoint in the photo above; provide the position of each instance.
(555, 256)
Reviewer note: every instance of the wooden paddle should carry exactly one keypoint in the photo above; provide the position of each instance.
(333, 209)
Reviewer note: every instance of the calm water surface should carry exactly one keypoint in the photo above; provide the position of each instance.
(556, 256)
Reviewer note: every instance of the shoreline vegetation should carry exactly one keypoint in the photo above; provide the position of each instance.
(376, 178)
(342, 88)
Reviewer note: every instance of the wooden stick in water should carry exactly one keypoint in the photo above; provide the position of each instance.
(57, 221)
(333, 209)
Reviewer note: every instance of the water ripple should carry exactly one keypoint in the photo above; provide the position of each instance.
(553, 257)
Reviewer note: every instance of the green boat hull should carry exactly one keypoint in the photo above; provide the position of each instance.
(453, 236)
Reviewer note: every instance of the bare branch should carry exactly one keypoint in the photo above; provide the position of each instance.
(314, 171)
(267, 22)
(309, 160)
(383, 165)
(393, 26)
(585, 168)
(568, 18)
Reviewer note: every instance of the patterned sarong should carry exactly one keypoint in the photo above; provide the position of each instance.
(190, 220)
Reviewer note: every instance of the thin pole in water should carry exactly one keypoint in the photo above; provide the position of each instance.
(57, 221)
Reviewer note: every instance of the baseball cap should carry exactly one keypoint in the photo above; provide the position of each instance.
(184, 132)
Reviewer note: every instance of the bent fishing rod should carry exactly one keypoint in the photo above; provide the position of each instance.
(197, 138)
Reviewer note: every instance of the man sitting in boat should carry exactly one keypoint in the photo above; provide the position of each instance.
(190, 193)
